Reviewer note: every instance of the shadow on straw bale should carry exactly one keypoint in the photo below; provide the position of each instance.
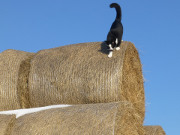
(83, 74)
(104, 48)
(6, 124)
(23, 89)
(154, 130)
(92, 119)
(10, 62)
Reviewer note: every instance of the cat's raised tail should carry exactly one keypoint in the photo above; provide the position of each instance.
(118, 10)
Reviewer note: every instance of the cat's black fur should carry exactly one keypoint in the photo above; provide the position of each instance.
(114, 36)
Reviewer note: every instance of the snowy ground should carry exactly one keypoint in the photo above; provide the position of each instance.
(21, 112)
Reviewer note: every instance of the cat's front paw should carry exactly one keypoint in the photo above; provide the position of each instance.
(110, 55)
(110, 47)
(117, 48)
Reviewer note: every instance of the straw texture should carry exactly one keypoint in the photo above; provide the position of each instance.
(154, 130)
(10, 63)
(6, 124)
(83, 74)
(89, 119)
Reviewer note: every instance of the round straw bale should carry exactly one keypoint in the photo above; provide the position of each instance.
(83, 74)
(6, 124)
(88, 119)
(11, 63)
(154, 130)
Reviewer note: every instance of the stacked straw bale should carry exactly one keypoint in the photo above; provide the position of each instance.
(91, 119)
(83, 74)
(154, 130)
(11, 68)
(6, 124)
(74, 74)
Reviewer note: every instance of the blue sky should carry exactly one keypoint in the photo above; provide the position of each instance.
(153, 26)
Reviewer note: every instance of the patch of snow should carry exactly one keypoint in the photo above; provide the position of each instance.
(21, 112)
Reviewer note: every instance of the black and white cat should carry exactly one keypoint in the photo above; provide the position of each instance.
(114, 36)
